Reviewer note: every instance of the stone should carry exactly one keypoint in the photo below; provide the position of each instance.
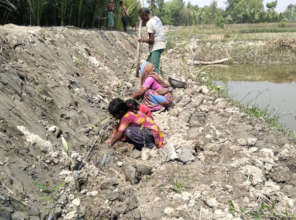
(34, 139)
(132, 203)
(143, 170)
(242, 141)
(211, 202)
(130, 173)
(93, 193)
(253, 149)
(145, 154)
(270, 187)
(76, 202)
(19, 216)
(252, 141)
(113, 196)
(185, 155)
(71, 215)
(134, 173)
(186, 196)
(110, 184)
(168, 211)
(280, 174)
(168, 152)
(34, 218)
(136, 154)
(52, 129)
(204, 90)
(204, 108)
(119, 164)
(69, 179)
(34, 211)
(253, 173)
(284, 154)
(5, 215)
(267, 153)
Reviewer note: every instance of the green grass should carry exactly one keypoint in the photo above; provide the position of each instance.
(267, 210)
(267, 30)
(178, 187)
(53, 192)
(265, 114)
(234, 32)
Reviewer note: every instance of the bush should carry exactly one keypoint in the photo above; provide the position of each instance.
(282, 24)
(220, 22)
(227, 35)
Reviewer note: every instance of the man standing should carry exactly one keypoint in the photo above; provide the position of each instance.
(156, 40)
(124, 17)
(110, 10)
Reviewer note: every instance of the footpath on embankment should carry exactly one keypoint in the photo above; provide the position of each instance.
(219, 163)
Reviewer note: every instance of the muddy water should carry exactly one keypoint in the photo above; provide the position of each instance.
(269, 87)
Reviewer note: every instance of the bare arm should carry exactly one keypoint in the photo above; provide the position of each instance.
(140, 92)
(149, 40)
(117, 134)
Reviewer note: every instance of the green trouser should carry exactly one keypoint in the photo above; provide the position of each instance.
(154, 58)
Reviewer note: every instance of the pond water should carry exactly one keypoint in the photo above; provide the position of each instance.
(269, 87)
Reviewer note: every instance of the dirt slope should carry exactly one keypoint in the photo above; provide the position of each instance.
(56, 82)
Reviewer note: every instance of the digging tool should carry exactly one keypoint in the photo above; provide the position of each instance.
(177, 83)
(138, 54)
(108, 123)
(87, 157)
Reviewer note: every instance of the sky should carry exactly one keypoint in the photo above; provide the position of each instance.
(282, 4)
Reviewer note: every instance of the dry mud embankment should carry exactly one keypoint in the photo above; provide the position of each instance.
(56, 82)
(280, 51)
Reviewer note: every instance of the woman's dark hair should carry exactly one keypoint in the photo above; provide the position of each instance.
(132, 105)
(117, 108)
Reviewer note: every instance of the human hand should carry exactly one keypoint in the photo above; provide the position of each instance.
(109, 143)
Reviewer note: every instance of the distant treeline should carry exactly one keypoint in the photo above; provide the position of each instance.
(176, 12)
(92, 13)
(81, 13)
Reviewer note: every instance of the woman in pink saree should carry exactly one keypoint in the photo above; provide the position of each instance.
(155, 90)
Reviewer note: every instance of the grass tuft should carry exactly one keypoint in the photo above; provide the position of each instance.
(178, 187)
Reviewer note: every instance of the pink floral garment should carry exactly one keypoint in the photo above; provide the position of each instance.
(143, 121)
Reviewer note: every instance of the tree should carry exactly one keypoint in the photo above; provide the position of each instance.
(290, 12)
(245, 11)
(271, 15)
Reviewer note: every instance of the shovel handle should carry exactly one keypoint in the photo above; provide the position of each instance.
(138, 54)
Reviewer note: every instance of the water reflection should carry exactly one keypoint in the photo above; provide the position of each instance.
(268, 87)
(270, 73)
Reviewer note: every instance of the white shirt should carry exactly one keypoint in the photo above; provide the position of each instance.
(154, 26)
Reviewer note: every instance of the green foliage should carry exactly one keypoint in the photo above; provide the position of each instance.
(220, 22)
(267, 30)
(132, 8)
(266, 209)
(282, 24)
(227, 35)
(93, 13)
(271, 5)
(178, 187)
(53, 192)
(290, 13)
(81, 13)
(266, 114)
